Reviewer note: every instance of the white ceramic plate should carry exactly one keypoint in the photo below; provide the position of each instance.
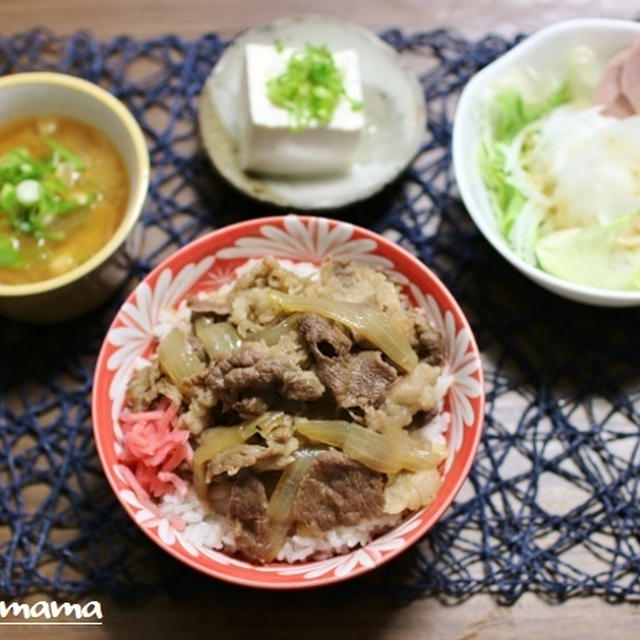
(547, 51)
(394, 109)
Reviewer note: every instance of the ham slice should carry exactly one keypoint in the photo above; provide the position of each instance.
(619, 88)
(630, 77)
(619, 108)
(609, 88)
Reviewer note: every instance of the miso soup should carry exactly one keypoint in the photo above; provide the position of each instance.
(63, 192)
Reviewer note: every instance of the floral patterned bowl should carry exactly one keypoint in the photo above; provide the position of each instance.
(209, 262)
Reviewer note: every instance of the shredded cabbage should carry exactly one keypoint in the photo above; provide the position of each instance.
(512, 113)
(559, 164)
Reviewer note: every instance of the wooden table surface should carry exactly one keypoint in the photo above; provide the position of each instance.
(234, 612)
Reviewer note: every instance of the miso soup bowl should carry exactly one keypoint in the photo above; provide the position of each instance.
(211, 262)
(92, 282)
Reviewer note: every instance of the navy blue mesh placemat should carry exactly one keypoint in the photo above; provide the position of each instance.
(552, 502)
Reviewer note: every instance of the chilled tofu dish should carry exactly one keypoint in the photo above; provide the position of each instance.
(290, 414)
(302, 110)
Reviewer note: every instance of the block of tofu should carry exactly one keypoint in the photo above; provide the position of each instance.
(270, 145)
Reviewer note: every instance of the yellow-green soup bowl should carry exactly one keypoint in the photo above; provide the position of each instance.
(91, 282)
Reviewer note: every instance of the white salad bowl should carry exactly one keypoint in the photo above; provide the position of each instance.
(547, 51)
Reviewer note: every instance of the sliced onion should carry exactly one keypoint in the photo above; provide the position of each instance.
(373, 324)
(388, 453)
(411, 490)
(373, 450)
(218, 439)
(217, 337)
(271, 335)
(331, 432)
(420, 455)
(177, 357)
(280, 508)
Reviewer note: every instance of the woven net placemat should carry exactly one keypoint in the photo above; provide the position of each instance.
(551, 505)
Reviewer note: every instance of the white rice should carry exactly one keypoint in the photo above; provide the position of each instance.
(205, 528)
(336, 541)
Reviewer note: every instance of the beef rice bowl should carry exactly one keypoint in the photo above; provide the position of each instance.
(286, 416)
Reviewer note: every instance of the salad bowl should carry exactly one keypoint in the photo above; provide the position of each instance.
(546, 52)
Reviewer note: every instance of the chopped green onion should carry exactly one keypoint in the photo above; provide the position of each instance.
(310, 88)
(33, 196)
(60, 152)
(9, 253)
(28, 192)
